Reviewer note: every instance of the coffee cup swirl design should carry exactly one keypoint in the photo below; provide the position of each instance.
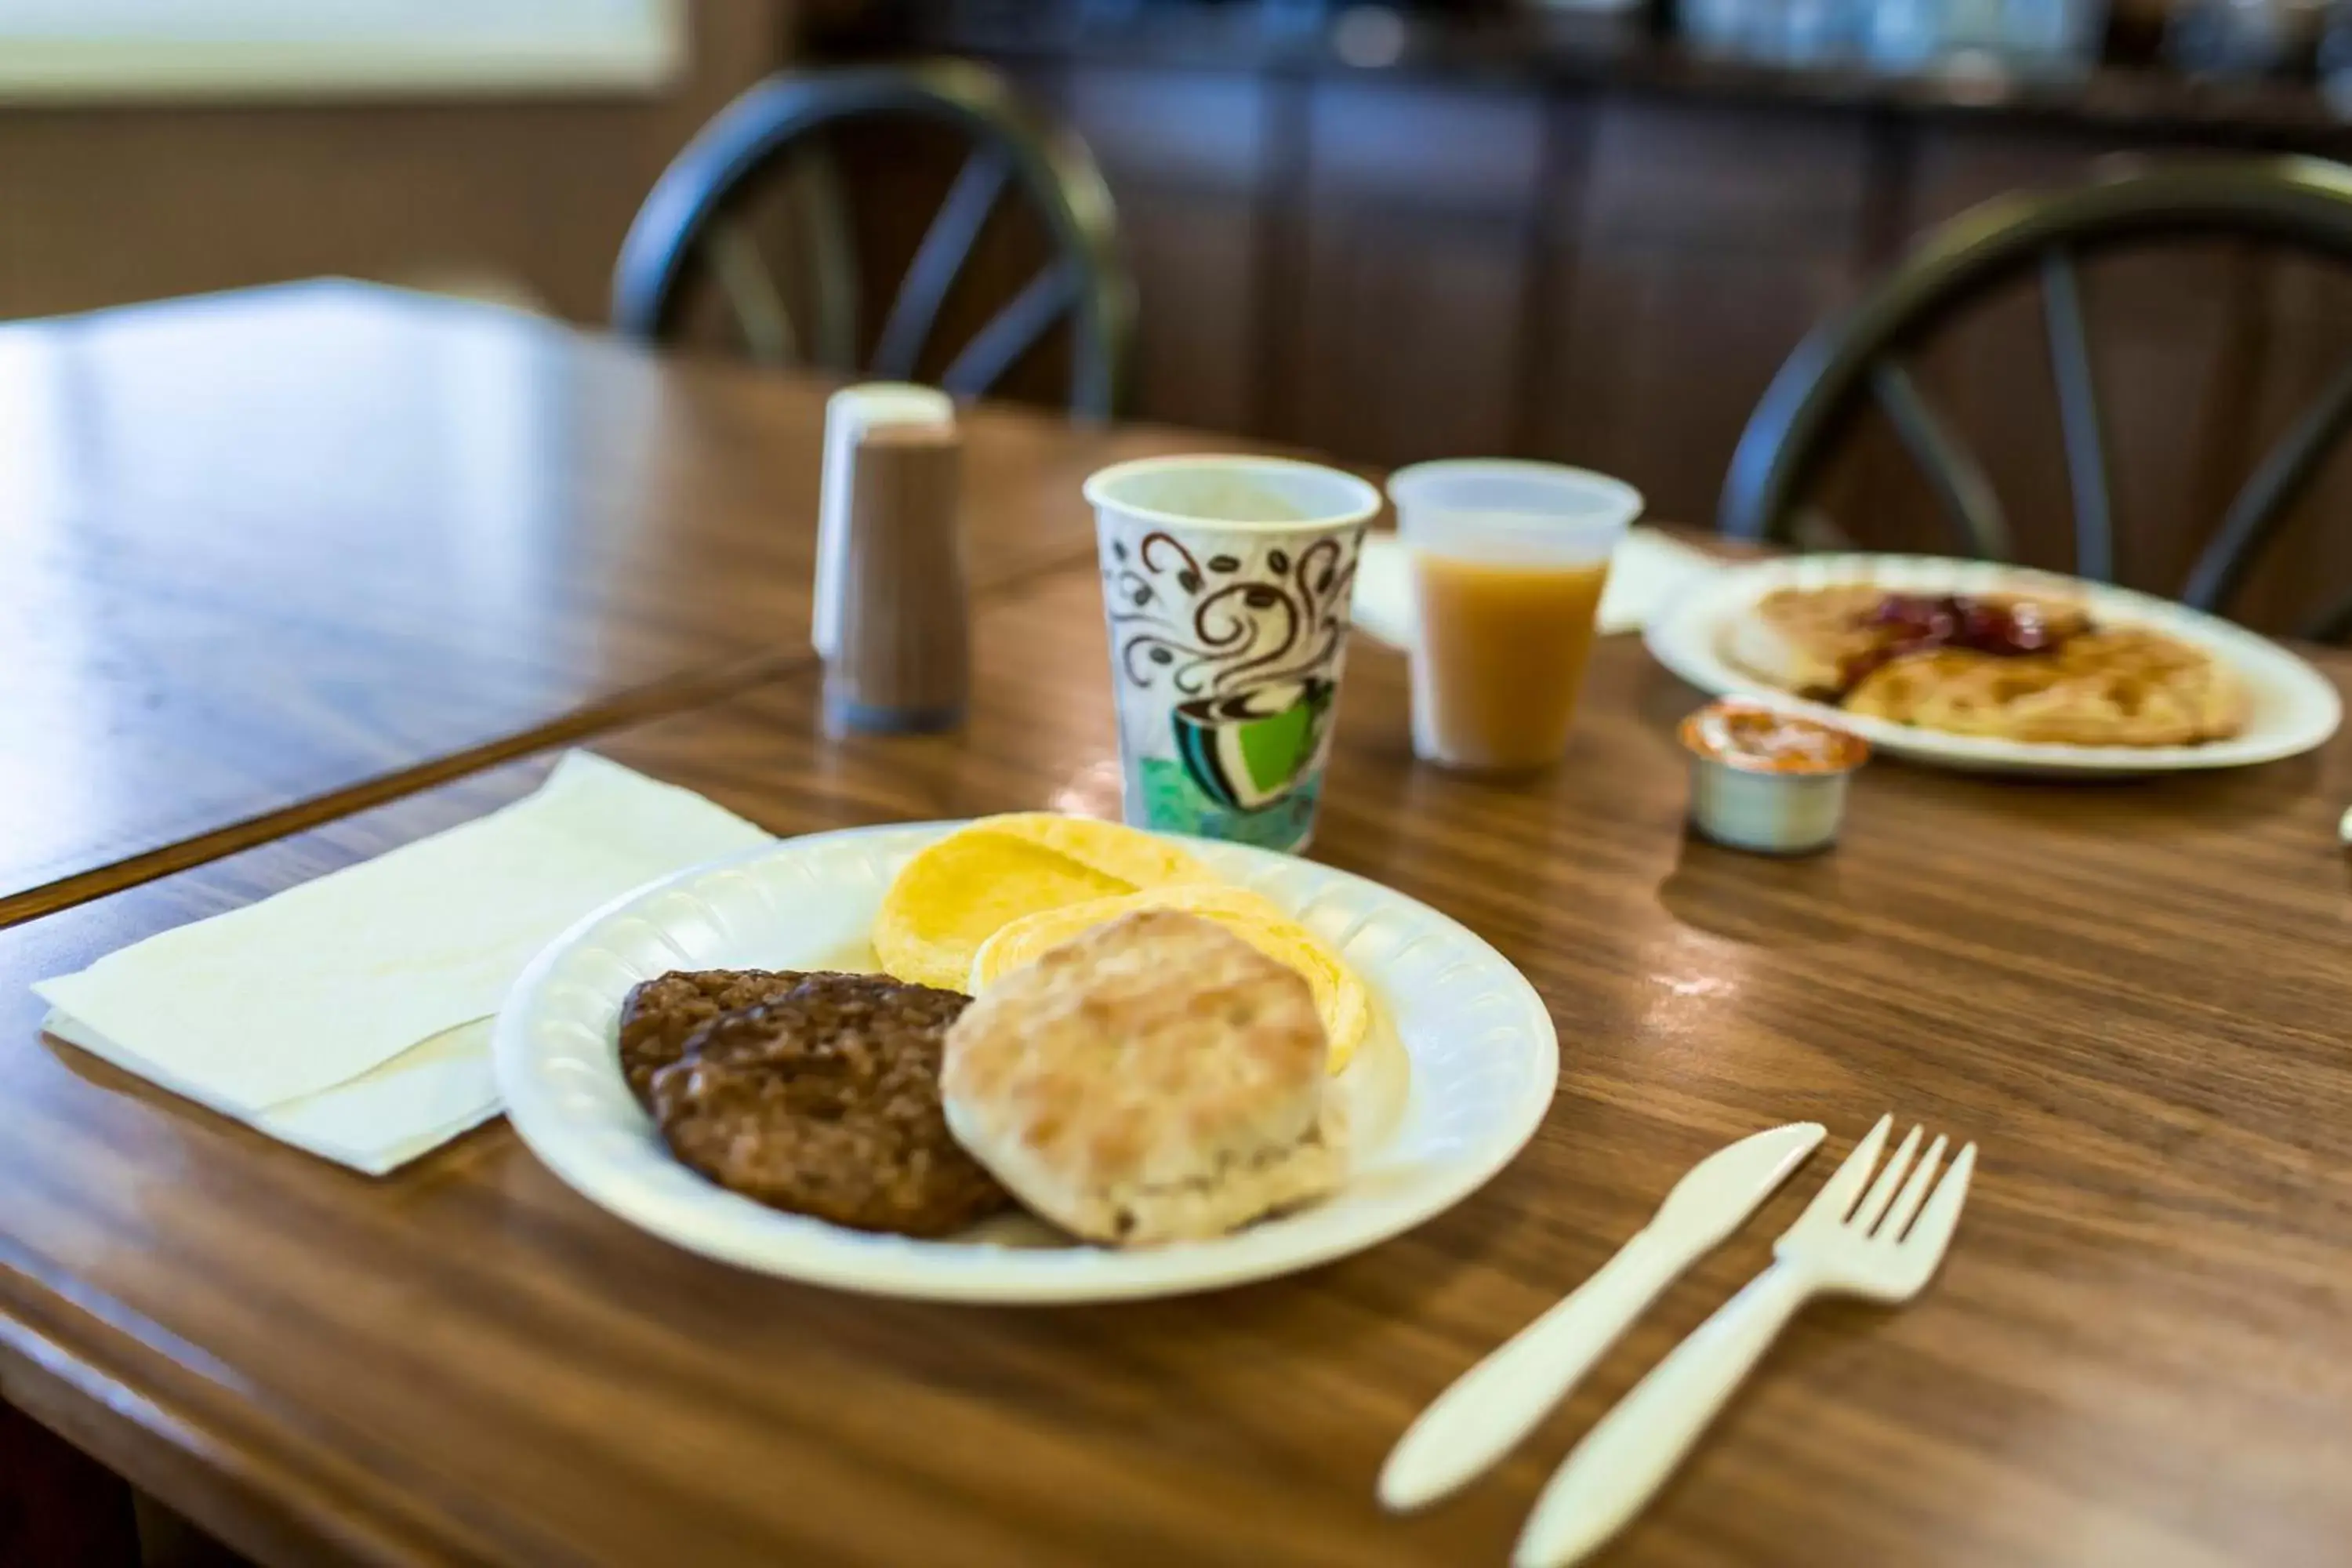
(1211, 628)
(1245, 647)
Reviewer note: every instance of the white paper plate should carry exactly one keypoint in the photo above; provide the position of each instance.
(1454, 1079)
(2294, 708)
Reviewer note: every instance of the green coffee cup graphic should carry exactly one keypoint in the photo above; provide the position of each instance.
(1247, 750)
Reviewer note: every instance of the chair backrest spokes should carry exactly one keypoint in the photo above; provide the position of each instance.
(1865, 357)
(779, 133)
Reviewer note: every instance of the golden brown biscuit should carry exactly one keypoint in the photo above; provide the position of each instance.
(1341, 998)
(1156, 1078)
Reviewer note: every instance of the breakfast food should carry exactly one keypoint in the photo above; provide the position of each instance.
(1819, 642)
(1156, 1078)
(658, 1017)
(1340, 998)
(1802, 640)
(1148, 1061)
(825, 1101)
(2010, 667)
(1765, 781)
(2121, 687)
(1113, 848)
(960, 891)
(1756, 739)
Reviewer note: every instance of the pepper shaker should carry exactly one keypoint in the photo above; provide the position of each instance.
(892, 617)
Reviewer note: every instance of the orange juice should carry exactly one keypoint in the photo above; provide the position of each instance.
(1499, 657)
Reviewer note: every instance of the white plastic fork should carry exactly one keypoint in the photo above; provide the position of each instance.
(1874, 1250)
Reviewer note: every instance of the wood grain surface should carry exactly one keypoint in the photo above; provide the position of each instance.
(267, 547)
(2140, 1351)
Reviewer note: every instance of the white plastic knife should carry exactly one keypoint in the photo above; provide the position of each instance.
(1499, 1401)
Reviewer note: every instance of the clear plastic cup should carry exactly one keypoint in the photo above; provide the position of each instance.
(1508, 561)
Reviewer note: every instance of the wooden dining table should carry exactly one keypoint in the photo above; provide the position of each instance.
(299, 576)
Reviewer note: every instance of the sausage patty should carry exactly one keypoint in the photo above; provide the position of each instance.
(825, 1101)
(660, 1015)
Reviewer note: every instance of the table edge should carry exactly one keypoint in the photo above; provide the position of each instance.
(133, 1406)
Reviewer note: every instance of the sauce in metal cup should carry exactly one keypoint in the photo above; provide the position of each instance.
(1766, 781)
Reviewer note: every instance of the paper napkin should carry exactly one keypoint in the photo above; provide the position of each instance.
(1648, 569)
(378, 1122)
(350, 1016)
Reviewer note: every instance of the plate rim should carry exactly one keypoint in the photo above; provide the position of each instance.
(552, 1135)
(1696, 660)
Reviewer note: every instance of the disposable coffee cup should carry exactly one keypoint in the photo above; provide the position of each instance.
(1226, 585)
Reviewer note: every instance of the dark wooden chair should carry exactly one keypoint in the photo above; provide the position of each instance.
(1863, 356)
(779, 136)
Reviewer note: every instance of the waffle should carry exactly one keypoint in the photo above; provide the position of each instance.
(1802, 639)
(2121, 687)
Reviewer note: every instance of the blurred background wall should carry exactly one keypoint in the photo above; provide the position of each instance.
(1584, 230)
(108, 198)
(1592, 231)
